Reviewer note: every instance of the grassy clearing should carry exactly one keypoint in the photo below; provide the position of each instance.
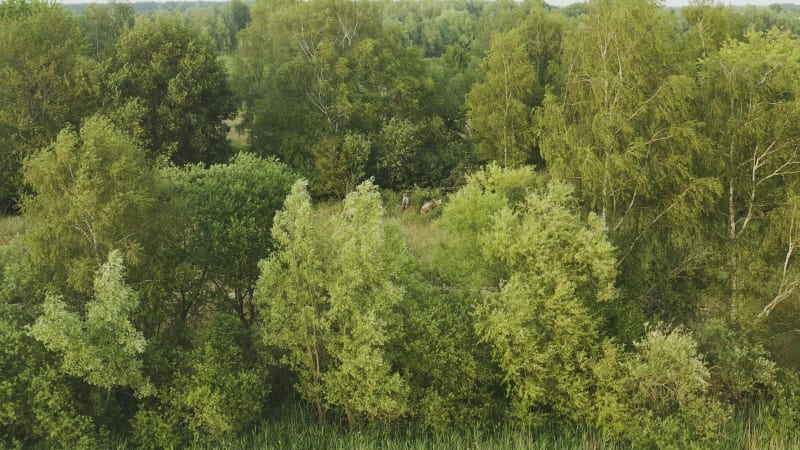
(10, 227)
(238, 140)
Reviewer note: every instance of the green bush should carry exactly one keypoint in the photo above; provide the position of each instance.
(658, 396)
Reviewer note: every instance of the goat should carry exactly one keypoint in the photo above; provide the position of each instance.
(406, 202)
(428, 206)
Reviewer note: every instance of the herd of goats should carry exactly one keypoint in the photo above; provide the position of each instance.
(425, 208)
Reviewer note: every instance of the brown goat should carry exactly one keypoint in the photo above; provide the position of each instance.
(428, 206)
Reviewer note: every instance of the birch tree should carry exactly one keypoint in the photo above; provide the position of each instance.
(751, 116)
(499, 108)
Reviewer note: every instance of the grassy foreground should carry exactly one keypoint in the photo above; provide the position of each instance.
(294, 427)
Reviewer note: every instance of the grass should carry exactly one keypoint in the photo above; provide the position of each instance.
(295, 428)
(760, 427)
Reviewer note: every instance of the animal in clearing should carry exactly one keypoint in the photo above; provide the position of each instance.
(428, 206)
(406, 202)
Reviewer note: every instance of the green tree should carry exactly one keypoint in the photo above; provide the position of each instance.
(544, 321)
(218, 387)
(92, 191)
(291, 295)
(468, 215)
(333, 69)
(622, 130)
(328, 296)
(341, 163)
(749, 115)
(103, 25)
(499, 108)
(102, 347)
(170, 90)
(41, 84)
(658, 396)
(230, 209)
(39, 402)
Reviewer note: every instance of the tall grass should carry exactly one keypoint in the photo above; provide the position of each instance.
(761, 427)
(295, 427)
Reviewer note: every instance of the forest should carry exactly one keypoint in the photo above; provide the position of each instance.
(399, 224)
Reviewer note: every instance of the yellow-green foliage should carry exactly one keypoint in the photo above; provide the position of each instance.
(10, 227)
(658, 395)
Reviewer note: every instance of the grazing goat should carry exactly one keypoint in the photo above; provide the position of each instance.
(406, 202)
(428, 206)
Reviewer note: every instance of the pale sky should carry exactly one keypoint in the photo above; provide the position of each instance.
(686, 2)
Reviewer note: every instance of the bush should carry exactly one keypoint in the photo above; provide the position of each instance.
(658, 396)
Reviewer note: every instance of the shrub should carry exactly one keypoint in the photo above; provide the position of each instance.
(658, 396)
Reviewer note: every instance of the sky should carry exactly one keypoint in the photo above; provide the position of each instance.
(686, 2)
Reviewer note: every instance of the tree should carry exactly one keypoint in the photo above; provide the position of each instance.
(622, 130)
(333, 70)
(545, 318)
(658, 396)
(92, 191)
(103, 25)
(327, 296)
(341, 163)
(750, 115)
(364, 292)
(499, 108)
(468, 215)
(230, 210)
(170, 90)
(41, 84)
(291, 295)
(103, 347)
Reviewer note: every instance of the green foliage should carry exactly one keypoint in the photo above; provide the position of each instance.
(658, 396)
(41, 84)
(499, 108)
(327, 296)
(230, 210)
(103, 25)
(621, 128)
(179, 89)
(218, 387)
(543, 325)
(340, 163)
(451, 378)
(333, 70)
(739, 371)
(468, 214)
(749, 114)
(103, 347)
(92, 192)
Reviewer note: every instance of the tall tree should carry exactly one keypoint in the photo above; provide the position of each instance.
(92, 192)
(499, 108)
(41, 84)
(328, 296)
(169, 88)
(103, 347)
(544, 321)
(621, 130)
(750, 114)
(230, 208)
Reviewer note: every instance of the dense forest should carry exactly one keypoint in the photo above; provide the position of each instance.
(445, 216)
